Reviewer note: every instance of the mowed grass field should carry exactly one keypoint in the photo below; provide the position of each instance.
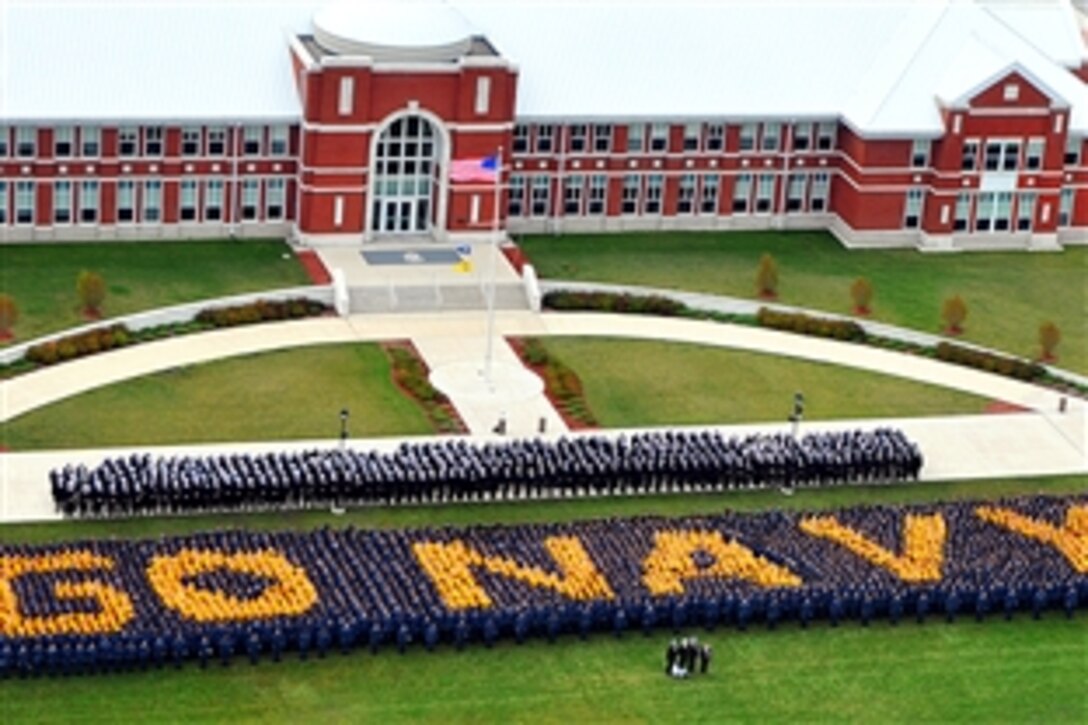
(138, 275)
(1008, 295)
(1022, 670)
(297, 394)
(285, 395)
(632, 382)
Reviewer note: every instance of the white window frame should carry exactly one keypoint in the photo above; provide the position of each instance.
(919, 153)
(192, 136)
(826, 134)
(764, 203)
(515, 200)
(598, 195)
(636, 138)
(279, 140)
(914, 208)
(970, 151)
(520, 140)
(801, 132)
(631, 195)
(26, 201)
(482, 103)
(125, 192)
(602, 138)
(90, 193)
(795, 193)
(64, 196)
(578, 138)
(345, 99)
(214, 198)
(544, 138)
(540, 196)
(962, 220)
(659, 138)
(128, 136)
(1066, 204)
(653, 202)
(218, 136)
(5, 141)
(1005, 162)
(63, 135)
(250, 207)
(747, 139)
(3, 202)
(26, 142)
(1025, 211)
(770, 138)
(1073, 146)
(715, 137)
(90, 142)
(151, 201)
(275, 199)
(693, 135)
(190, 188)
(572, 195)
(252, 140)
(818, 192)
(154, 141)
(709, 191)
(1034, 151)
(742, 194)
(686, 191)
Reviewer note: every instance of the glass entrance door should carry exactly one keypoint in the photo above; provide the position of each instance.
(404, 179)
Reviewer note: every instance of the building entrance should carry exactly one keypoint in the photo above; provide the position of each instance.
(405, 184)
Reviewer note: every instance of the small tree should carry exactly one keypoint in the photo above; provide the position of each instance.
(862, 294)
(91, 289)
(9, 315)
(1049, 337)
(954, 312)
(767, 277)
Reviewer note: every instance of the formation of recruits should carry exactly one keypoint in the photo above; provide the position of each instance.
(684, 657)
(373, 593)
(454, 470)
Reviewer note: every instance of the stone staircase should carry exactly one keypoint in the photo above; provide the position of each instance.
(434, 298)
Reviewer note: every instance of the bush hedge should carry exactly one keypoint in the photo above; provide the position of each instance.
(990, 362)
(411, 375)
(613, 302)
(261, 311)
(804, 324)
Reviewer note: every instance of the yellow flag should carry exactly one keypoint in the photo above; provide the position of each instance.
(464, 266)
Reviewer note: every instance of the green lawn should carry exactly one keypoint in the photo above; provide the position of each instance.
(634, 382)
(1008, 294)
(1018, 671)
(292, 394)
(139, 276)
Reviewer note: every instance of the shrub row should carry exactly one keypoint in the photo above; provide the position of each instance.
(990, 362)
(261, 311)
(561, 383)
(79, 345)
(411, 375)
(804, 324)
(613, 302)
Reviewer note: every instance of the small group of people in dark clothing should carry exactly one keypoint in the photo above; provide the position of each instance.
(686, 656)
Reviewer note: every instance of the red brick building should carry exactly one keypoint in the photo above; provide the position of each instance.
(935, 125)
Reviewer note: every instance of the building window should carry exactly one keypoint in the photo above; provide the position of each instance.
(993, 155)
(88, 202)
(213, 200)
(747, 137)
(578, 133)
(685, 198)
(629, 200)
(709, 199)
(1002, 155)
(3, 202)
(126, 201)
(483, 95)
(275, 199)
(128, 140)
(771, 133)
(963, 213)
(795, 193)
(635, 135)
(3, 141)
(919, 153)
(1011, 159)
(346, 99)
(1065, 208)
(602, 138)
(251, 140)
(1033, 153)
(659, 137)
(541, 196)
(715, 137)
(1072, 150)
(277, 140)
(572, 195)
(187, 201)
(1025, 212)
(984, 212)
(1003, 212)
(545, 134)
(62, 142)
(26, 141)
(515, 201)
(764, 192)
(969, 158)
(152, 201)
(153, 141)
(90, 142)
(251, 199)
(913, 216)
(217, 141)
(24, 202)
(817, 198)
(190, 141)
(654, 185)
(521, 139)
(598, 194)
(692, 131)
(62, 202)
(825, 136)
(802, 136)
(742, 192)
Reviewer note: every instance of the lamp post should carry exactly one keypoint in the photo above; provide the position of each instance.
(798, 411)
(344, 415)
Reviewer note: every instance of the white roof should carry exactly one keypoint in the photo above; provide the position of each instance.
(880, 64)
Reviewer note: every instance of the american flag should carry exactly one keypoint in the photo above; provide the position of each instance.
(482, 169)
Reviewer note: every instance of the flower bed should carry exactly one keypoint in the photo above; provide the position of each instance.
(562, 386)
(411, 375)
(105, 605)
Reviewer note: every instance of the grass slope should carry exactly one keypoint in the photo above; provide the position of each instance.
(630, 382)
(139, 276)
(292, 394)
(1015, 671)
(1008, 294)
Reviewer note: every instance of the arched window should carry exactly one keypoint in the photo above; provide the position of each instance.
(402, 200)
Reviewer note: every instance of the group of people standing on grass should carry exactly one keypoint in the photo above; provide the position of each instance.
(684, 657)
(458, 470)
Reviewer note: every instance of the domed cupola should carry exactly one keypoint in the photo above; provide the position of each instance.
(394, 30)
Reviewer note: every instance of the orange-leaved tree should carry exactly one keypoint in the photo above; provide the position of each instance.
(767, 277)
(954, 312)
(91, 289)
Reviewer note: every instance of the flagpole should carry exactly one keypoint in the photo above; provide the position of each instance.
(491, 273)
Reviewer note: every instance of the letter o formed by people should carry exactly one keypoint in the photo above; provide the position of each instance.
(291, 593)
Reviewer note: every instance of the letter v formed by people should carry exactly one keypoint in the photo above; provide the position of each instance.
(922, 557)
